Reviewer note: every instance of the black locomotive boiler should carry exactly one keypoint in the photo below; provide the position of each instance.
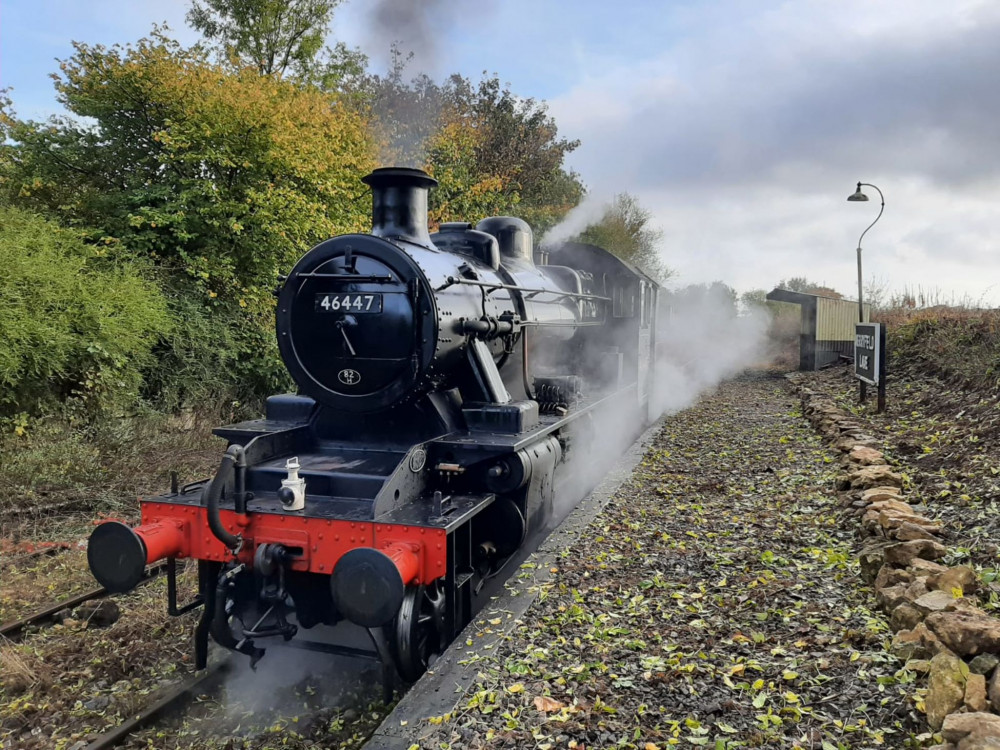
(444, 381)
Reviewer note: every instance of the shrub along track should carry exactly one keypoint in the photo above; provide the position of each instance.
(715, 602)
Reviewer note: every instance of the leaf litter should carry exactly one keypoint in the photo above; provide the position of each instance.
(715, 602)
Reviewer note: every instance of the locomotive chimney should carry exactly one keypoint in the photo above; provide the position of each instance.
(399, 203)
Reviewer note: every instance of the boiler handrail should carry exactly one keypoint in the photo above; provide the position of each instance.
(494, 285)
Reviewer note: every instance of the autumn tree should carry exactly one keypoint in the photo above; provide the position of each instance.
(491, 151)
(625, 230)
(222, 178)
(518, 144)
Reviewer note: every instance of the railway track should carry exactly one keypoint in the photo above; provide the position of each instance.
(50, 551)
(14, 628)
(182, 698)
(173, 699)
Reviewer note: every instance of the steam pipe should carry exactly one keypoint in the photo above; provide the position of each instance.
(489, 327)
(240, 501)
(524, 366)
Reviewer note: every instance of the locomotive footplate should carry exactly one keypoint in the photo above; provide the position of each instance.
(548, 423)
(455, 511)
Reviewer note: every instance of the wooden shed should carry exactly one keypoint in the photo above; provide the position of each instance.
(827, 330)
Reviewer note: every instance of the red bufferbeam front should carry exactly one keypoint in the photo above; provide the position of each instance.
(315, 545)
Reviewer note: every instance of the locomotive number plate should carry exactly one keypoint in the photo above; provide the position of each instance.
(349, 303)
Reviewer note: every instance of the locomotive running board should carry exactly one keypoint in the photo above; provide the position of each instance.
(495, 441)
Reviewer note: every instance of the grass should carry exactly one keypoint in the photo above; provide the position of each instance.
(52, 465)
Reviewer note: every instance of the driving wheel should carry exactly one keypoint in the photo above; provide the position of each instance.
(418, 628)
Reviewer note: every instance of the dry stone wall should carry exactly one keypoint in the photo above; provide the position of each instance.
(934, 611)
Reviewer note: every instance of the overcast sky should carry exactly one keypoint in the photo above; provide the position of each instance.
(742, 126)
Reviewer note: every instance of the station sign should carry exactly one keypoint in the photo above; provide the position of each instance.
(868, 354)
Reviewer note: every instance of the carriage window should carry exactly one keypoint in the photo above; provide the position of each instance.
(623, 301)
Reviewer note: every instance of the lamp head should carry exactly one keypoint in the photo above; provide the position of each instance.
(857, 195)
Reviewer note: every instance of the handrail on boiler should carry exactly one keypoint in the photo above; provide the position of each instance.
(493, 285)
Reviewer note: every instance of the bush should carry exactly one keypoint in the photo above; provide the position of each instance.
(219, 177)
(75, 327)
(959, 344)
(216, 358)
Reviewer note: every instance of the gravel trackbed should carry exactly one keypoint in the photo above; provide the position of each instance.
(715, 602)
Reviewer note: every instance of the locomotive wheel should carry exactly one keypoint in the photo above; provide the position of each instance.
(418, 628)
(503, 529)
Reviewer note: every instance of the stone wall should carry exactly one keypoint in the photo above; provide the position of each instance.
(934, 612)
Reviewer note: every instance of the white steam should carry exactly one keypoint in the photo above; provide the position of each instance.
(591, 210)
(702, 342)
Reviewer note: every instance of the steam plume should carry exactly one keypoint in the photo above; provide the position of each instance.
(591, 210)
(700, 342)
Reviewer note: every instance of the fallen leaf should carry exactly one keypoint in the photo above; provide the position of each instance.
(547, 705)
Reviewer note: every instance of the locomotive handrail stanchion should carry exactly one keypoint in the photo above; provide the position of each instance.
(858, 196)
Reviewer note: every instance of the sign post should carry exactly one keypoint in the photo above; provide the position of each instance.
(870, 356)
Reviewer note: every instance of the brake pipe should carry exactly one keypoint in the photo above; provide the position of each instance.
(234, 458)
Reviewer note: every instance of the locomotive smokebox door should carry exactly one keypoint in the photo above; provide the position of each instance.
(348, 337)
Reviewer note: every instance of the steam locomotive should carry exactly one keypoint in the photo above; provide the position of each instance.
(444, 380)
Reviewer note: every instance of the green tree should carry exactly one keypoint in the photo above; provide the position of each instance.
(754, 298)
(718, 297)
(491, 151)
(624, 230)
(278, 37)
(222, 178)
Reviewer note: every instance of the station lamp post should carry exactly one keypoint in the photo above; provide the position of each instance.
(857, 195)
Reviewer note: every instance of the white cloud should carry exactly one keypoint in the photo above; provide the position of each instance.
(745, 136)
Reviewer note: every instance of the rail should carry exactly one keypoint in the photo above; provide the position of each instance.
(14, 627)
(172, 699)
